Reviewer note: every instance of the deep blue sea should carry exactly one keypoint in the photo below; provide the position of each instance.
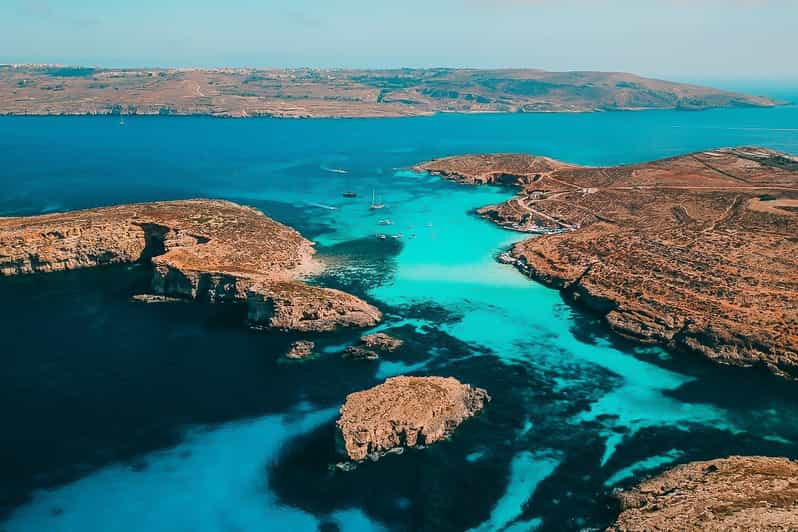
(123, 417)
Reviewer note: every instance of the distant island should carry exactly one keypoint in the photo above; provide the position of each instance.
(320, 93)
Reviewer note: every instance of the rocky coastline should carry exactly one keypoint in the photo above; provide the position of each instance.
(203, 250)
(696, 253)
(735, 493)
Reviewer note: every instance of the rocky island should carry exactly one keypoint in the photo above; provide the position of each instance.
(314, 93)
(697, 253)
(404, 412)
(736, 493)
(371, 345)
(208, 250)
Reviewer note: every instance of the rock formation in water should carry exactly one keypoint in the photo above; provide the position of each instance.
(155, 298)
(370, 347)
(208, 250)
(736, 493)
(300, 349)
(404, 412)
(697, 252)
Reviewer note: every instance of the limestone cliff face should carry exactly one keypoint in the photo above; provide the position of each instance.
(214, 251)
(696, 253)
(736, 493)
(405, 412)
(297, 306)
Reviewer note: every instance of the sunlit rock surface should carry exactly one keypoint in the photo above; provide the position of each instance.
(405, 412)
(208, 250)
(696, 252)
(736, 493)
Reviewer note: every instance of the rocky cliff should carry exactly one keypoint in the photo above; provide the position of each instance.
(207, 250)
(696, 253)
(405, 412)
(736, 493)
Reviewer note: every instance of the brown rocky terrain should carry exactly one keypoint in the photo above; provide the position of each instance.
(243, 92)
(405, 412)
(371, 345)
(696, 253)
(207, 250)
(736, 493)
(300, 349)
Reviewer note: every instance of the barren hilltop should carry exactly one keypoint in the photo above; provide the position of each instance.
(243, 92)
(698, 253)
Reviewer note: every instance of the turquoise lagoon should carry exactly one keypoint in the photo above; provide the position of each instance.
(128, 417)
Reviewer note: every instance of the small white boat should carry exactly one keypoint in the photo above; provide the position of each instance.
(382, 236)
(374, 204)
(385, 222)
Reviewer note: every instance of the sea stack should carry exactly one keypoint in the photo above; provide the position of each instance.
(404, 412)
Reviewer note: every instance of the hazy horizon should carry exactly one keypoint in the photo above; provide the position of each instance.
(720, 40)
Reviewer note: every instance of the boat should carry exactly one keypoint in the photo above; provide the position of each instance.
(121, 120)
(382, 236)
(350, 194)
(385, 222)
(374, 204)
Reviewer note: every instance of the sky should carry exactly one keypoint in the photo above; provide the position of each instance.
(689, 40)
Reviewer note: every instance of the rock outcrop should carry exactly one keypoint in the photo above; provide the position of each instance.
(300, 349)
(404, 412)
(696, 253)
(370, 347)
(209, 250)
(735, 493)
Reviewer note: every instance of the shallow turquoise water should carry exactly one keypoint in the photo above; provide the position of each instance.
(575, 414)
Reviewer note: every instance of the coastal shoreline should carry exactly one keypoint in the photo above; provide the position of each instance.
(610, 241)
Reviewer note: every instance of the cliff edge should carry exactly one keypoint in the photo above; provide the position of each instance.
(208, 250)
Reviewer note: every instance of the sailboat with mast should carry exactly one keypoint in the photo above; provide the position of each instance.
(374, 203)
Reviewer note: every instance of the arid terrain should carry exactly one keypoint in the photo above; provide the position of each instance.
(243, 92)
(404, 412)
(208, 250)
(698, 253)
(736, 493)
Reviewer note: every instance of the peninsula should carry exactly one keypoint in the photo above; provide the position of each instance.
(305, 92)
(697, 253)
(208, 250)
